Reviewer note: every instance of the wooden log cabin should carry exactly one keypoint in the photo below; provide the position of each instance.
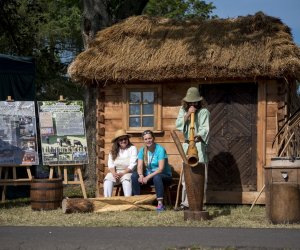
(246, 68)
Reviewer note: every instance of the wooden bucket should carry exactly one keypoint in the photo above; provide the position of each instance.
(46, 194)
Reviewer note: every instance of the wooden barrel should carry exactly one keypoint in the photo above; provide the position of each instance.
(284, 204)
(46, 194)
(282, 193)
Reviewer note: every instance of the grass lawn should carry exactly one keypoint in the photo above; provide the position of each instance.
(19, 213)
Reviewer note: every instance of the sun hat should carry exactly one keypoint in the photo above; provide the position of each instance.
(119, 133)
(192, 95)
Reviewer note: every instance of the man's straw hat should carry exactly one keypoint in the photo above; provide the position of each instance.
(119, 133)
(192, 95)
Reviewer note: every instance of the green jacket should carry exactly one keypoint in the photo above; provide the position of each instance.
(201, 128)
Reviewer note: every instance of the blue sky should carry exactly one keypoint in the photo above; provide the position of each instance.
(287, 10)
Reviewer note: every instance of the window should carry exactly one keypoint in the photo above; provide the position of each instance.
(142, 107)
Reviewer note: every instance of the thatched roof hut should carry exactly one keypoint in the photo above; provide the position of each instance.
(246, 68)
(159, 49)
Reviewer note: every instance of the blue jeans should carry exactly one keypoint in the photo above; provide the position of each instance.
(158, 181)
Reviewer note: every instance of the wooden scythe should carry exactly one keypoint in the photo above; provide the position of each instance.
(183, 156)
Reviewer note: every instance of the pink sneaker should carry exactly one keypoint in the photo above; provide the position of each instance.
(160, 208)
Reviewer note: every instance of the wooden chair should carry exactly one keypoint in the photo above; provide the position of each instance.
(119, 190)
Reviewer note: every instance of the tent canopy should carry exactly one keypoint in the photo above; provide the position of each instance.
(17, 78)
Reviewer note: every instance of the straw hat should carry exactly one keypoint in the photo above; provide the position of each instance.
(119, 133)
(192, 95)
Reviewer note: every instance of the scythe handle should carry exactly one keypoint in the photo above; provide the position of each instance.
(179, 146)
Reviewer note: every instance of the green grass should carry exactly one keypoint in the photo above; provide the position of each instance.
(19, 213)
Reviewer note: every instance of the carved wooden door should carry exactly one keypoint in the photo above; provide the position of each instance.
(232, 141)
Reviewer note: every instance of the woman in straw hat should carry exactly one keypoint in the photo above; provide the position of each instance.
(122, 160)
(153, 168)
(193, 103)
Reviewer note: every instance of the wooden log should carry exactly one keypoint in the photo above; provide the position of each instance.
(77, 205)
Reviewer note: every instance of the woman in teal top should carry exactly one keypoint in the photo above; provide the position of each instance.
(152, 169)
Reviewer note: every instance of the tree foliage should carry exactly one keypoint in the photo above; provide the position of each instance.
(180, 9)
(49, 31)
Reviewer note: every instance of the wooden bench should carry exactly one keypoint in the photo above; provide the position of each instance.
(146, 189)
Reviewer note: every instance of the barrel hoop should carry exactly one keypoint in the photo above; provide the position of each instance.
(47, 201)
(46, 180)
(45, 188)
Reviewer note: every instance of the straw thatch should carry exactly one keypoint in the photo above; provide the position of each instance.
(158, 49)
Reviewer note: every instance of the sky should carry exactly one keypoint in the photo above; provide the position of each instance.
(287, 10)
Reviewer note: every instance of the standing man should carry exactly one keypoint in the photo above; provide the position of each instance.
(194, 103)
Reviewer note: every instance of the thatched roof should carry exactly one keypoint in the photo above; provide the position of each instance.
(158, 49)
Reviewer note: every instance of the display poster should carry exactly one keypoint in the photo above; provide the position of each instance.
(62, 131)
(18, 137)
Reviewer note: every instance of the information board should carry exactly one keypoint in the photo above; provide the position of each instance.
(62, 130)
(18, 139)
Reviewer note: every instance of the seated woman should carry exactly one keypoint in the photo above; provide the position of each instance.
(157, 170)
(122, 160)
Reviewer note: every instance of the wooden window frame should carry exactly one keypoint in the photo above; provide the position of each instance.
(157, 107)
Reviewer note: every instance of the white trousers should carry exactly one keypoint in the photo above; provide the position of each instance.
(110, 181)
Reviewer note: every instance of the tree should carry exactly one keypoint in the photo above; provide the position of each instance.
(99, 14)
(47, 31)
(180, 9)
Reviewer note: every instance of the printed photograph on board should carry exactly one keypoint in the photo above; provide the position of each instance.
(62, 131)
(18, 137)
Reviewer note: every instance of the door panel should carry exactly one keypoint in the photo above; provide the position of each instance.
(232, 143)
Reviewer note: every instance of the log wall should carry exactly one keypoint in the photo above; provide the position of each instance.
(272, 110)
(110, 119)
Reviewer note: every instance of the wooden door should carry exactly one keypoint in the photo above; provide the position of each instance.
(232, 141)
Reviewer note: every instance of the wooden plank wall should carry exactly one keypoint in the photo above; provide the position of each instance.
(271, 118)
(110, 120)
(276, 96)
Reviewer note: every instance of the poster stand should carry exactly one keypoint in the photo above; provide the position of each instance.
(78, 179)
(14, 181)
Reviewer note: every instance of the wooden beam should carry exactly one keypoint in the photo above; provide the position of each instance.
(261, 131)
